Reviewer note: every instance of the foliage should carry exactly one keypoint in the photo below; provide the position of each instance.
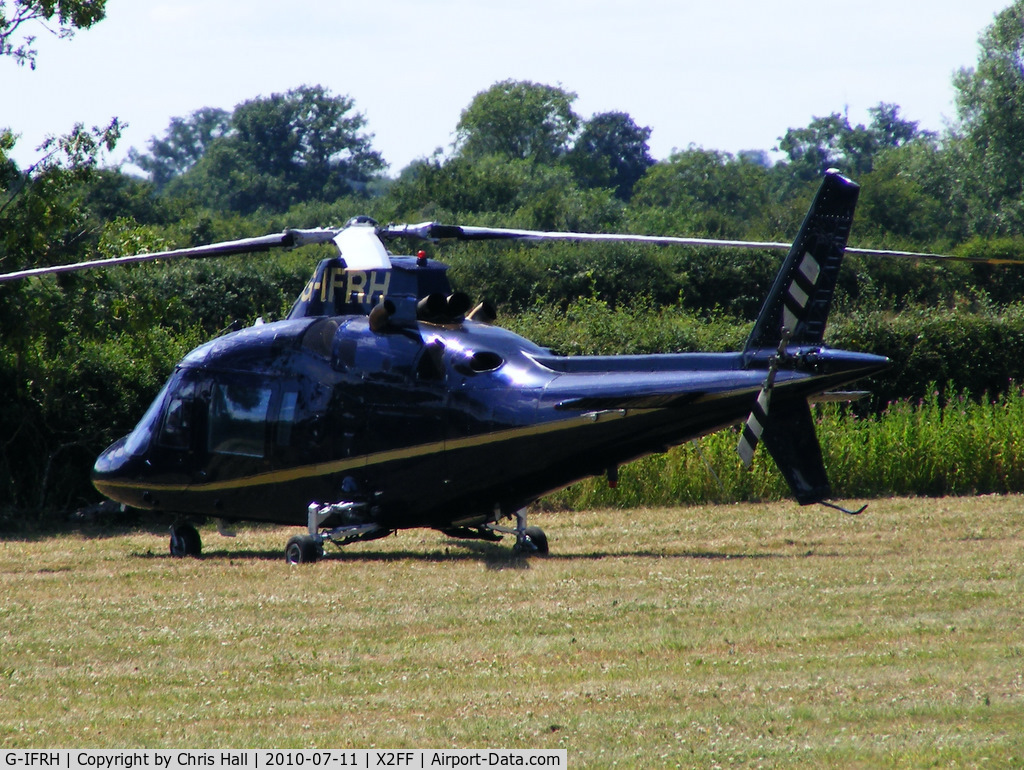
(71, 16)
(496, 190)
(589, 326)
(66, 399)
(519, 120)
(272, 153)
(831, 142)
(900, 202)
(990, 105)
(184, 144)
(979, 350)
(43, 216)
(705, 281)
(611, 151)
(705, 193)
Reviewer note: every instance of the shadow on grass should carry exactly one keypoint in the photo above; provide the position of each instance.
(494, 557)
(92, 532)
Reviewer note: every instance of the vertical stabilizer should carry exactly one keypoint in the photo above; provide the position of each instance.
(801, 297)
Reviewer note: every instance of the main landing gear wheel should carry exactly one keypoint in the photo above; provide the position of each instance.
(539, 540)
(185, 541)
(534, 544)
(302, 549)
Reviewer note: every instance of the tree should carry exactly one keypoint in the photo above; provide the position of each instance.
(185, 142)
(611, 151)
(40, 220)
(890, 131)
(703, 192)
(71, 15)
(832, 142)
(989, 139)
(899, 198)
(304, 145)
(518, 119)
(828, 142)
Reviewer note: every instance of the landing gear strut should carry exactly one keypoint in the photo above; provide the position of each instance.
(306, 549)
(529, 540)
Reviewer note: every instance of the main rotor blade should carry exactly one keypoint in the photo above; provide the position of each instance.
(289, 239)
(434, 231)
(939, 257)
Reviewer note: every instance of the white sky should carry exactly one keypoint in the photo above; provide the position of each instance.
(726, 74)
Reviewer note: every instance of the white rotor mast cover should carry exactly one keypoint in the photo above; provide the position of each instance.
(361, 248)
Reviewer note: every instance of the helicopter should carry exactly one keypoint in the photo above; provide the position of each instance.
(385, 401)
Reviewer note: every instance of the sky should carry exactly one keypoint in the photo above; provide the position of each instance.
(727, 75)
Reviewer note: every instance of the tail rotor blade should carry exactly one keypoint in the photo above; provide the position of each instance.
(758, 418)
(755, 425)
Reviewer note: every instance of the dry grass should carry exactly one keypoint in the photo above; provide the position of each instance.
(755, 635)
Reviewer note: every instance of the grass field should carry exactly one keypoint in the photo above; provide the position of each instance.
(751, 635)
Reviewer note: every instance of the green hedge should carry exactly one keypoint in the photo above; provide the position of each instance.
(951, 446)
(978, 350)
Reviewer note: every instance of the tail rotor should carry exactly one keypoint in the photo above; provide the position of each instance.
(758, 418)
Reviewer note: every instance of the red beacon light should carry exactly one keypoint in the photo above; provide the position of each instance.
(421, 258)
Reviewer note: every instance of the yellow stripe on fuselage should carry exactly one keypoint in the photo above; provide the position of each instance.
(298, 473)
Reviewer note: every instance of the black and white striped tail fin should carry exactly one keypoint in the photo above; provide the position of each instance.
(801, 296)
(795, 313)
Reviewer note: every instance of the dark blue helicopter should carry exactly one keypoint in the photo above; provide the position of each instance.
(385, 401)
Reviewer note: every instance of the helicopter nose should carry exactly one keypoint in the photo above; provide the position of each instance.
(112, 469)
(110, 459)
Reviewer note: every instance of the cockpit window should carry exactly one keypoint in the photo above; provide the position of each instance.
(176, 432)
(138, 440)
(238, 419)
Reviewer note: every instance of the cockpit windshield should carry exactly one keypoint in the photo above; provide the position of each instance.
(139, 439)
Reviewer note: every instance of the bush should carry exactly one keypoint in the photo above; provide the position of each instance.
(932, 447)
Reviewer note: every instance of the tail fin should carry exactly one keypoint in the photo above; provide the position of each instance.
(795, 313)
(801, 296)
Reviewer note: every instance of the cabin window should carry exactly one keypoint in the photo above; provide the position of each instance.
(286, 417)
(383, 357)
(238, 419)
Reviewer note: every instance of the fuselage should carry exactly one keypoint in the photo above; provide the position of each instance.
(428, 424)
